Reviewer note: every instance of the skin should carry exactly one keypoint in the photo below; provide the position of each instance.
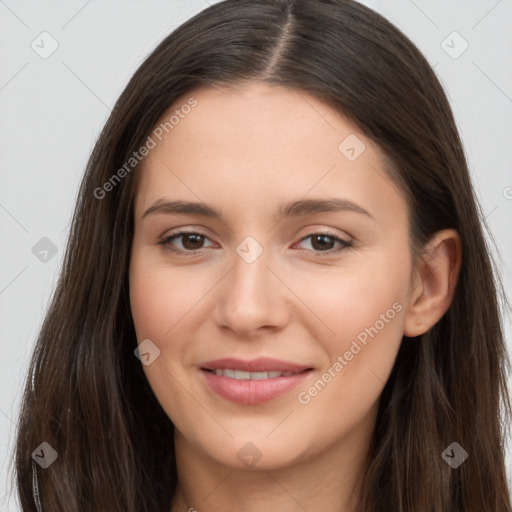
(246, 151)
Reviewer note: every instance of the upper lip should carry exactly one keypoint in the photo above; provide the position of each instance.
(261, 364)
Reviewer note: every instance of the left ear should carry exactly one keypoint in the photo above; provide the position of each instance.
(433, 285)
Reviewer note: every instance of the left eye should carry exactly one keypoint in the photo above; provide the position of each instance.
(323, 242)
(192, 242)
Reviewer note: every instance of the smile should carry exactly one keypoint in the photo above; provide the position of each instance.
(241, 375)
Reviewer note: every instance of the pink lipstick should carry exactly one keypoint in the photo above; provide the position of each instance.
(254, 381)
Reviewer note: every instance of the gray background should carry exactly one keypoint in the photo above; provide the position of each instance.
(53, 108)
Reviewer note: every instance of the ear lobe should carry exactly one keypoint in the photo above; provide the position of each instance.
(436, 276)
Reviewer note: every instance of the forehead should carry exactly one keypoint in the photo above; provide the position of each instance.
(260, 121)
(249, 144)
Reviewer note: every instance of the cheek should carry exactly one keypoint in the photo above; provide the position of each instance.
(161, 297)
(365, 314)
(343, 398)
(160, 303)
(168, 307)
(349, 299)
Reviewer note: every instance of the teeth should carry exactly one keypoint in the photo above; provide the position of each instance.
(241, 375)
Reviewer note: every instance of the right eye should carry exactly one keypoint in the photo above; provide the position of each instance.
(191, 242)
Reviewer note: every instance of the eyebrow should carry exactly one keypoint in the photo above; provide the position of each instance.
(292, 209)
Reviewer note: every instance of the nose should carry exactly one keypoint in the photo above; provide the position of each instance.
(252, 300)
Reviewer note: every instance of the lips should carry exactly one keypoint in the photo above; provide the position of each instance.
(252, 382)
(242, 375)
(262, 364)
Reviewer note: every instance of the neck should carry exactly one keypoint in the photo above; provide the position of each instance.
(327, 481)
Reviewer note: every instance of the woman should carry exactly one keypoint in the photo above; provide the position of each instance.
(331, 339)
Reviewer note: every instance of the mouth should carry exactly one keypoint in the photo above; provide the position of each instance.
(242, 375)
(252, 382)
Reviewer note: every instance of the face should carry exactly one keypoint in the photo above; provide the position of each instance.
(275, 273)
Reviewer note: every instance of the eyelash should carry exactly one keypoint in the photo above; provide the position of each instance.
(345, 244)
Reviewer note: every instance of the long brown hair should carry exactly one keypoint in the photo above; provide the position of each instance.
(87, 395)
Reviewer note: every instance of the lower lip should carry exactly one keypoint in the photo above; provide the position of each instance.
(253, 392)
